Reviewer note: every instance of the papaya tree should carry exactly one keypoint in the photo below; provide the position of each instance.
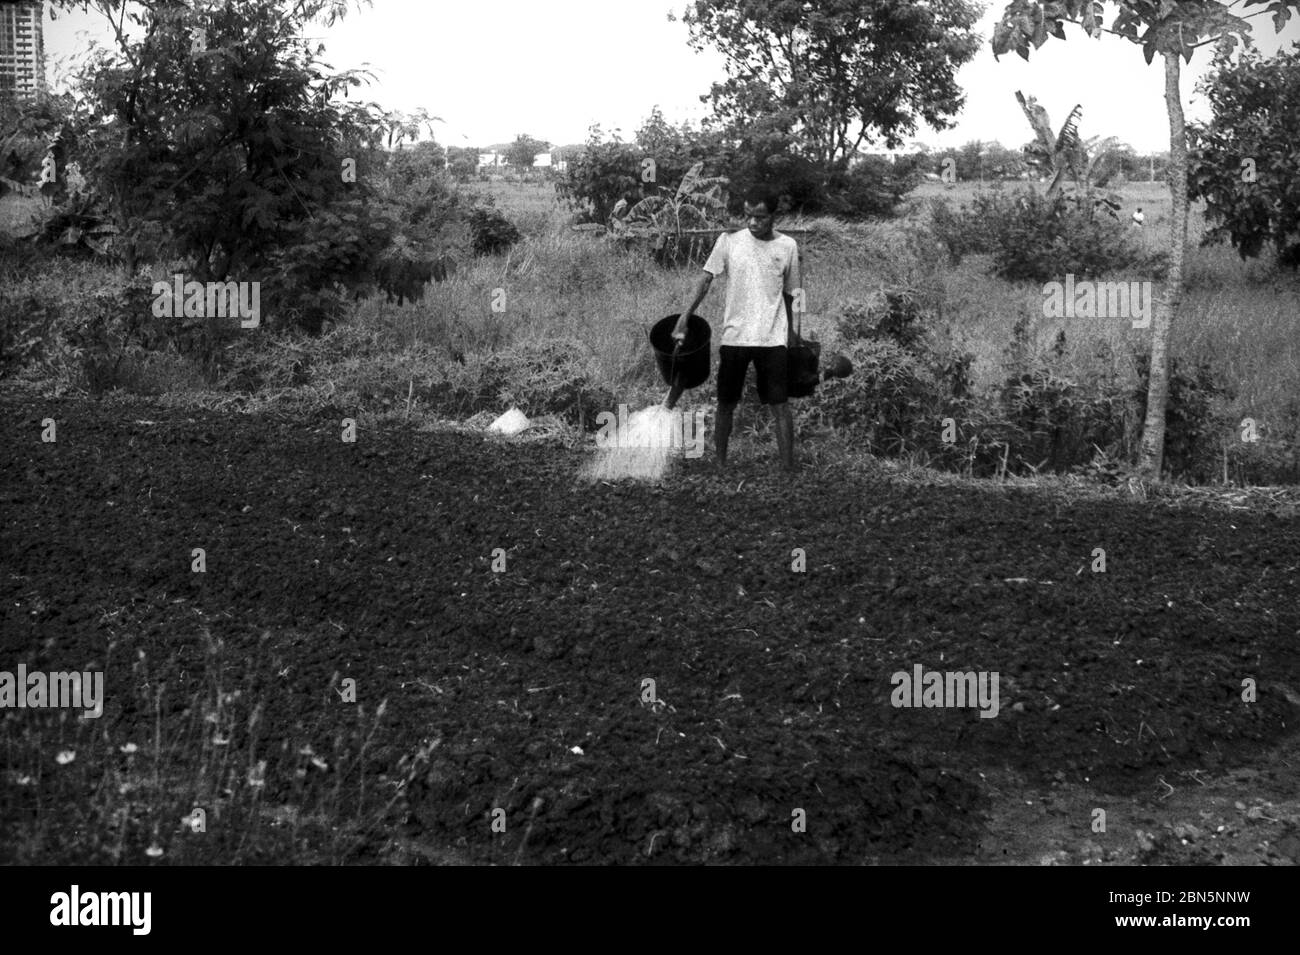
(1173, 29)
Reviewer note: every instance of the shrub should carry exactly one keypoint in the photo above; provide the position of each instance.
(897, 316)
(901, 387)
(1268, 461)
(547, 377)
(83, 325)
(955, 228)
(601, 175)
(904, 387)
(1194, 429)
(491, 231)
(1042, 408)
(1033, 238)
(79, 224)
(884, 397)
(1058, 421)
(25, 325)
(872, 188)
(553, 377)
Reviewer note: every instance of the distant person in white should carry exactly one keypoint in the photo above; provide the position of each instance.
(1139, 218)
(762, 269)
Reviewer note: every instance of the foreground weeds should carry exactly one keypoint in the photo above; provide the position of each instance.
(180, 771)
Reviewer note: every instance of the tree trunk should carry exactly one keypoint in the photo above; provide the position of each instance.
(1153, 430)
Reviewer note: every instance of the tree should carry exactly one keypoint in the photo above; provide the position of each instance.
(217, 125)
(523, 151)
(1172, 29)
(674, 149)
(394, 127)
(1003, 163)
(1121, 163)
(1244, 162)
(976, 160)
(600, 175)
(970, 161)
(837, 74)
(28, 125)
(1145, 168)
(462, 162)
(218, 132)
(420, 162)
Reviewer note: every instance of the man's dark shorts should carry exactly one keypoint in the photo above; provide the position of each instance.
(770, 366)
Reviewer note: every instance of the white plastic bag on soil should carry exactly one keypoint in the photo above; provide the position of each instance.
(512, 422)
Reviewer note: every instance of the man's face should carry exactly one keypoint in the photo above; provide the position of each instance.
(759, 220)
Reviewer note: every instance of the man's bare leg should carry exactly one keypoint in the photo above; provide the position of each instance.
(722, 431)
(784, 420)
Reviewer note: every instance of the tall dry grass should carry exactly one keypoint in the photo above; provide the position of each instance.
(558, 285)
(563, 285)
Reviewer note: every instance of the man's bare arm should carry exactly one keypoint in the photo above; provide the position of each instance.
(701, 289)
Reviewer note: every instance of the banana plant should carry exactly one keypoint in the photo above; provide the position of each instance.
(1065, 153)
(1057, 154)
(698, 202)
(80, 223)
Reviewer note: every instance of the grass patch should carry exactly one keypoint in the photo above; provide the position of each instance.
(558, 325)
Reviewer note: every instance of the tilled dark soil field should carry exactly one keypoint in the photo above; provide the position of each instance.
(518, 723)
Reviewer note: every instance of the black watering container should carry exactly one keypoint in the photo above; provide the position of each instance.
(688, 366)
(801, 364)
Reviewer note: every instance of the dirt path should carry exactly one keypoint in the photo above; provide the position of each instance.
(1244, 816)
(523, 689)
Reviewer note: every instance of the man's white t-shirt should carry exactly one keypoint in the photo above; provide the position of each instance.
(758, 274)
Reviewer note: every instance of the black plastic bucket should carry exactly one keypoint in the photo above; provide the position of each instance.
(690, 365)
(801, 364)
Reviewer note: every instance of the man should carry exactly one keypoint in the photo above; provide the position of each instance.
(1139, 218)
(762, 269)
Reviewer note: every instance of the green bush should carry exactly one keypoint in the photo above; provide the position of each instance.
(26, 322)
(892, 398)
(955, 228)
(76, 225)
(1269, 461)
(491, 231)
(83, 325)
(598, 177)
(1194, 427)
(546, 377)
(873, 188)
(899, 316)
(554, 377)
(902, 387)
(1033, 238)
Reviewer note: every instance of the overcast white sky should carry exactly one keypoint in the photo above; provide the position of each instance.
(498, 68)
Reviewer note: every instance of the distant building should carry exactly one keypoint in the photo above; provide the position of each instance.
(540, 161)
(22, 48)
